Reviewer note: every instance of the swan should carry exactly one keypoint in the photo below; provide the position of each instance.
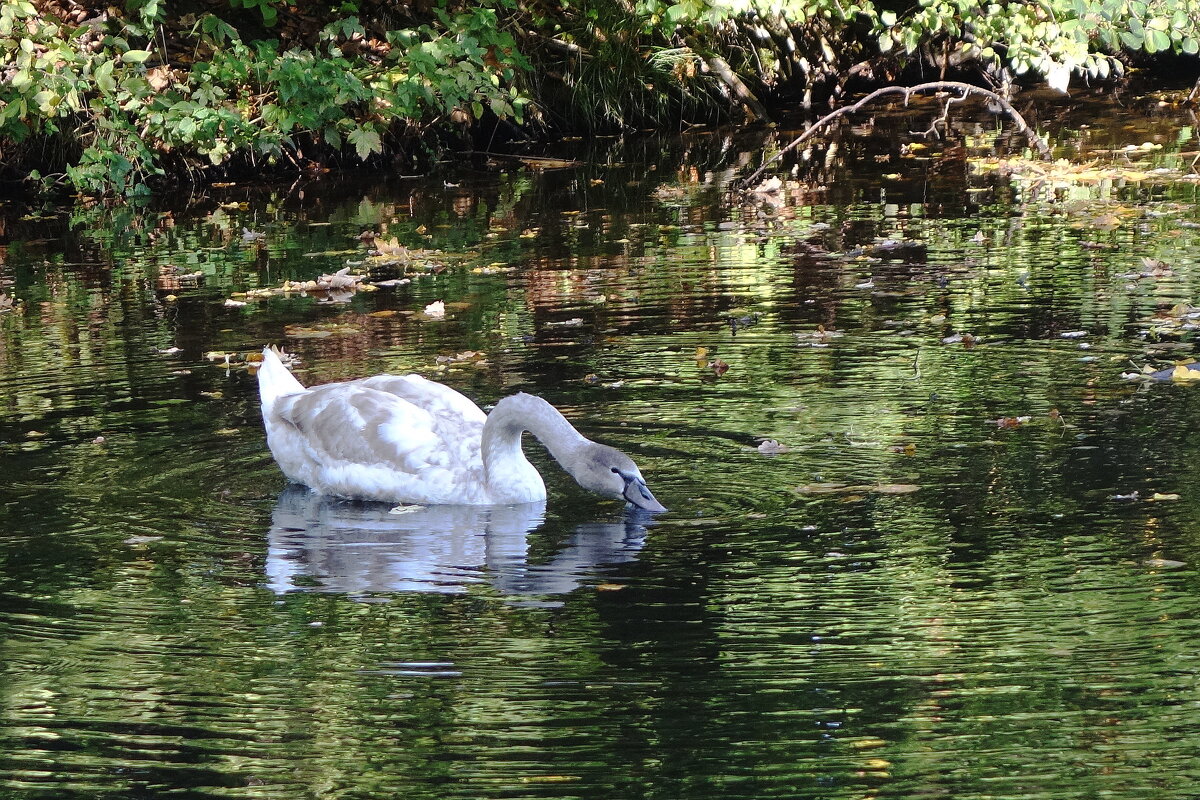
(406, 439)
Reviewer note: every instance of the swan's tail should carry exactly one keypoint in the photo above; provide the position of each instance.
(274, 379)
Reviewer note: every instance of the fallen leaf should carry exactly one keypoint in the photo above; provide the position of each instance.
(1184, 374)
(718, 367)
(1161, 496)
(867, 744)
(771, 447)
(897, 488)
(436, 310)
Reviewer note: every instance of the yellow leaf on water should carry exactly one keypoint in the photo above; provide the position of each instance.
(867, 744)
(1181, 374)
(1161, 496)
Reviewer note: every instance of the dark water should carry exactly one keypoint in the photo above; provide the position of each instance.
(970, 573)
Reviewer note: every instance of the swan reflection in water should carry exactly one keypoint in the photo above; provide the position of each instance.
(325, 544)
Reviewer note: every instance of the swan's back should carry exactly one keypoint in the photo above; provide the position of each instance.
(389, 437)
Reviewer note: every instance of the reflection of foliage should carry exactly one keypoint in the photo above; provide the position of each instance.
(840, 642)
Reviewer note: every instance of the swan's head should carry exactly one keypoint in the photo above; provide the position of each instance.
(607, 471)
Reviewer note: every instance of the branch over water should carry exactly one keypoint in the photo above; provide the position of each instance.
(965, 90)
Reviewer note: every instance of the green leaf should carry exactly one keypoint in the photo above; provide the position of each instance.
(135, 56)
(365, 142)
(103, 77)
(1191, 45)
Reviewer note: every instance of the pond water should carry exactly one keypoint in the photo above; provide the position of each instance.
(966, 568)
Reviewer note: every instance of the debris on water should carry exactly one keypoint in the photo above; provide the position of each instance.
(405, 508)
(772, 447)
(1164, 563)
(435, 310)
(140, 540)
(1132, 497)
(845, 488)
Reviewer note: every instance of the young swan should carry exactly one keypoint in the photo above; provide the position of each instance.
(405, 439)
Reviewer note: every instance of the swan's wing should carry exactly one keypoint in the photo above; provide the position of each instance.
(356, 423)
(439, 400)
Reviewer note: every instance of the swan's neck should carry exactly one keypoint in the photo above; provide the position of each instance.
(512, 416)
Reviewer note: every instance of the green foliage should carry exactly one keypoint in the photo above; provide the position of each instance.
(109, 105)
(1056, 39)
(120, 115)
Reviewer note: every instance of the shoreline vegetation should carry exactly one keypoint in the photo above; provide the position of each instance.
(104, 100)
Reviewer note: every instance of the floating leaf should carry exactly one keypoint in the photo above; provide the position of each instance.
(1164, 563)
(897, 488)
(1184, 373)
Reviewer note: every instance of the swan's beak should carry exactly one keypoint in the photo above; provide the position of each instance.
(638, 493)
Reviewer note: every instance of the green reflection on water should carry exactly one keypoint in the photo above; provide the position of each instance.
(796, 627)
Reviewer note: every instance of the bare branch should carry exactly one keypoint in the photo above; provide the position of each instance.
(964, 89)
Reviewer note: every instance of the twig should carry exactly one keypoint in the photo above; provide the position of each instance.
(964, 90)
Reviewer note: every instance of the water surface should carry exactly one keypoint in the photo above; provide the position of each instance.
(967, 569)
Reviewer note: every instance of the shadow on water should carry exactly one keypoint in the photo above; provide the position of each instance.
(359, 548)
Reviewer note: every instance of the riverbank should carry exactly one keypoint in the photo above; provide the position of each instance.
(100, 101)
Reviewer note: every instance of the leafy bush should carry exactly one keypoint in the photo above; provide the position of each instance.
(109, 104)
(120, 111)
